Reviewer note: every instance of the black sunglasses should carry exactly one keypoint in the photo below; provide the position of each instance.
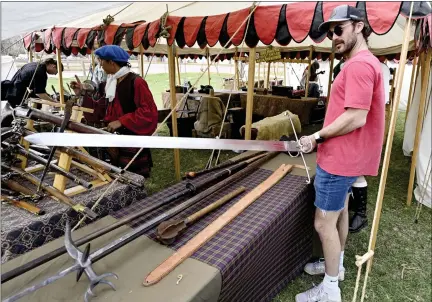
(338, 30)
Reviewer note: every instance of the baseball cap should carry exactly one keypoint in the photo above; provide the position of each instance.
(342, 13)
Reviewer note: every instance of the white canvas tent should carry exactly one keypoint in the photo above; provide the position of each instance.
(151, 11)
(8, 67)
(423, 191)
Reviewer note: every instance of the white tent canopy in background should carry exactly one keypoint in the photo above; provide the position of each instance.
(152, 11)
(425, 142)
(39, 15)
(423, 191)
(8, 67)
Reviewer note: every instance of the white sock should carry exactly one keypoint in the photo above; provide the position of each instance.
(331, 286)
(341, 260)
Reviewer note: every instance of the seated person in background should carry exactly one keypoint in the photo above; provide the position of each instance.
(314, 67)
(17, 87)
(338, 68)
(313, 89)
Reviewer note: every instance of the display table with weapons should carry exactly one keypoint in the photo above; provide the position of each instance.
(44, 187)
(242, 238)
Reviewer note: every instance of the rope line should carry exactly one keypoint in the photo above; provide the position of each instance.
(253, 7)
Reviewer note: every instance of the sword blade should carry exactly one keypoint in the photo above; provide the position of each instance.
(163, 142)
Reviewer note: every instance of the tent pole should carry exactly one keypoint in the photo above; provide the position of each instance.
(30, 55)
(285, 79)
(387, 154)
(425, 81)
(268, 75)
(259, 73)
(208, 65)
(414, 77)
(178, 69)
(29, 124)
(141, 60)
(330, 82)
(250, 93)
(60, 76)
(171, 71)
(93, 60)
(308, 73)
(236, 74)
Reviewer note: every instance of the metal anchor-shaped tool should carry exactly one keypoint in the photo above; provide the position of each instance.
(84, 263)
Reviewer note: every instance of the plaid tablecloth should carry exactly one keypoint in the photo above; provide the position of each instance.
(263, 248)
(22, 231)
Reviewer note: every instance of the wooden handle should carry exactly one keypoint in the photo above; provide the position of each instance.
(205, 235)
(214, 205)
(24, 205)
(15, 186)
(255, 158)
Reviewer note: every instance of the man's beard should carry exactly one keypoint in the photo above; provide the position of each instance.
(348, 45)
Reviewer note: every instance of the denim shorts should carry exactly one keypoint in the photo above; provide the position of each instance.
(331, 190)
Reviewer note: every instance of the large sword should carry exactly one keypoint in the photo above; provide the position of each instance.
(134, 141)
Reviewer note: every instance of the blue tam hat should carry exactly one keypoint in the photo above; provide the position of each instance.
(113, 53)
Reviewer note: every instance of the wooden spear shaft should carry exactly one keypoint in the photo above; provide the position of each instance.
(387, 154)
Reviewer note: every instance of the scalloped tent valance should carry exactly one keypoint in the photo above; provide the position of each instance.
(292, 24)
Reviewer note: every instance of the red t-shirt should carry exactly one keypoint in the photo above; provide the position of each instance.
(359, 85)
(143, 121)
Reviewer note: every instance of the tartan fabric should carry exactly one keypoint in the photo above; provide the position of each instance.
(263, 248)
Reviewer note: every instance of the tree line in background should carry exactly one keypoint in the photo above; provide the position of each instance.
(13, 46)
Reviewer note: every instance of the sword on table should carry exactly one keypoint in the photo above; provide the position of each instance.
(163, 142)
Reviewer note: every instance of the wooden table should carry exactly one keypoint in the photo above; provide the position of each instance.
(193, 100)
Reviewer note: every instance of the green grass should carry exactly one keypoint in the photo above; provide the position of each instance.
(163, 173)
(400, 242)
(158, 83)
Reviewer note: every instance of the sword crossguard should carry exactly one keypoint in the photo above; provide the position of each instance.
(84, 263)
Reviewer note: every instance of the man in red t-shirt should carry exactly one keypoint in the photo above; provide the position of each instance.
(350, 143)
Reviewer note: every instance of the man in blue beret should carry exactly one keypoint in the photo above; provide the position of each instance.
(131, 109)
